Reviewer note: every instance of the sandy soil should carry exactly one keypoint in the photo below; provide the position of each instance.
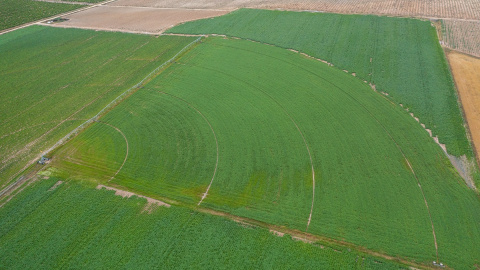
(466, 9)
(466, 73)
(134, 19)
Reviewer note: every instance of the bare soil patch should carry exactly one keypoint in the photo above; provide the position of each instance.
(151, 203)
(466, 73)
(134, 19)
(58, 183)
(465, 9)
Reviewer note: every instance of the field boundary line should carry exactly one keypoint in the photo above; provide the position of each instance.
(98, 29)
(126, 141)
(296, 234)
(66, 2)
(401, 151)
(164, 8)
(403, 154)
(214, 135)
(381, 125)
(109, 106)
(121, 97)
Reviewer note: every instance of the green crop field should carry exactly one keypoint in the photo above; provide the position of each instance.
(54, 79)
(75, 226)
(250, 123)
(249, 126)
(17, 12)
(401, 57)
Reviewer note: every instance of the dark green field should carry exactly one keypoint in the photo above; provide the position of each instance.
(361, 147)
(244, 126)
(75, 226)
(401, 57)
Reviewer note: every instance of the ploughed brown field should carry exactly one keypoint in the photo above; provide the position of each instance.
(134, 19)
(465, 70)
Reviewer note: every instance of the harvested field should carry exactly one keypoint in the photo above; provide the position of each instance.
(134, 19)
(466, 9)
(465, 71)
(463, 36)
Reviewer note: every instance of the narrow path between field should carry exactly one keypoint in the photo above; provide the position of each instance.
(277, 230)
(214, 135)
(126, 142)
(66, 2)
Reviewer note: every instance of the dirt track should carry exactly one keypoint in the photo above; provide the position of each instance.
(465, 71)
(134, 19)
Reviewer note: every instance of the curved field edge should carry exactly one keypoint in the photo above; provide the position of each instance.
(77, 225)
(46, 65)
(221, 62)
(409, 65)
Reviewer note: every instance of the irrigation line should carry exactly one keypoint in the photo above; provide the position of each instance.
(126, 141)
(120, 98)
(214, 135)
(109, 106)
(296, 125)
(386, 131)
(398, 147)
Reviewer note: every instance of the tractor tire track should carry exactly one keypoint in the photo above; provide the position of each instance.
(396, 144)
(126, 141)
(376, 119)
(214, 135)
(296, 125)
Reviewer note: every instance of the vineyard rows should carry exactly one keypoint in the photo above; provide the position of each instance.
(463, 36)
(465, 9)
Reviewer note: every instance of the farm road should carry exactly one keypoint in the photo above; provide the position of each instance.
(66, 2)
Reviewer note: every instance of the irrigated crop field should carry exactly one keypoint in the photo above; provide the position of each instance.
(209, 145)
(54, 79)
(212, 130)
(401, 57)
(17, 12)
(76, 226)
